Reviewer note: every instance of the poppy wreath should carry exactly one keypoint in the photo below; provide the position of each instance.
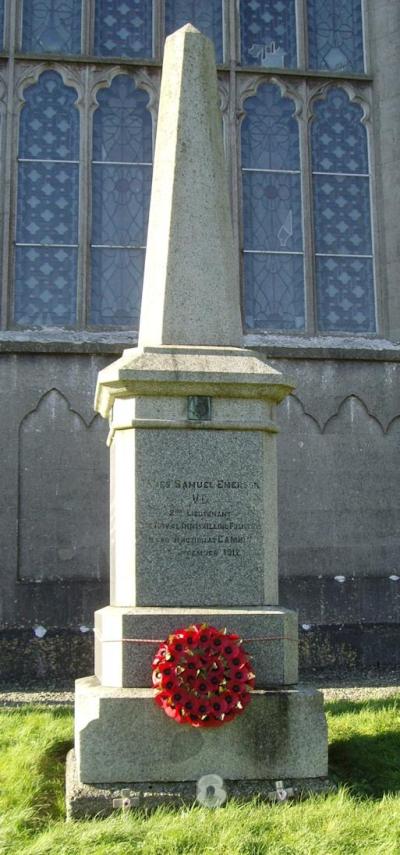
(202, 676)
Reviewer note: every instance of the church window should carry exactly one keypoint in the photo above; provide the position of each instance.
(52, 27)
(123, 28)
(121, 180)
(335, 35)
(342, 218)
(268, 33)
(46, 252)
(77, 151)
(206, 15)
(272, 220)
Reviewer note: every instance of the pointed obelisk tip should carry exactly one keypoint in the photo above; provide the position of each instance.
(187, 28)
(191, 280)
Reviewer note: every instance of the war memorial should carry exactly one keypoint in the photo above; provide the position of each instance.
(193, 501)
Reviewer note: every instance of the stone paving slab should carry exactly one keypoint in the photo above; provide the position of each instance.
(351, 687)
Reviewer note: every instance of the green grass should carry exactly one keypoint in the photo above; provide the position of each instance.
(362, 817)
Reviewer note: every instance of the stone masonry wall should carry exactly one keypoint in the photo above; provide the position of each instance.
(339, 500)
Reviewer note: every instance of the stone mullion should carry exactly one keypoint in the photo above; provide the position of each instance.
(158, 28)
(228, 30)
(380, 294)
(301, 33)
(231, 47)
(308, 217)
(245, 86)
(87, 28)
(83, 284)
(9, 142)
(12, 34)
(366, 36)
(14, 21)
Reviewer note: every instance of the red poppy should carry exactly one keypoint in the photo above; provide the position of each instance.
(245, 698)
(156, 678)
(211, 721)
(200, 686)
(165, 666)
(161, 698)
(218, 706)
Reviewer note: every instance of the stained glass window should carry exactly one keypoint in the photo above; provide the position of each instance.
(47, 205)
(273, 241)
(335, 35)
(52, 26)
(344, 271)
(253, 35)
(123, 28)
(206, 15)
(268, 33)
(121, 173)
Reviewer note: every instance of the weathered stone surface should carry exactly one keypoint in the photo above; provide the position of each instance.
(172, 371)
(86, 800)
(190, 252)
(128, 664)
(193, 518)
(121, 735)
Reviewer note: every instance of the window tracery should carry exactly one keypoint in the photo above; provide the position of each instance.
(305, 228)
(47, 205)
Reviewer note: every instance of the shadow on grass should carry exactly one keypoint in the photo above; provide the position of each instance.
(48, 802)
(374, 704)
(27, 710)
(368, 763)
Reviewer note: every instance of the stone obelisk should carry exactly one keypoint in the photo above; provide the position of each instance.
(193, 494)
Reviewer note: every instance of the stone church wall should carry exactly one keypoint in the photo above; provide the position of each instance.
(339, 500)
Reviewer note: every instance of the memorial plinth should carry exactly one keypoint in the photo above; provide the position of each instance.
(193, 491)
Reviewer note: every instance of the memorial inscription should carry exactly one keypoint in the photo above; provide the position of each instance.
(203, 525)
(191, 527)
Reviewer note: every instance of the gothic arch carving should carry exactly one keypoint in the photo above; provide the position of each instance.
(349, 400)
(143, 78)
(356, 96)
(29, 75)
(296, 402)
(34, 409)
(62, 492)
(248, 86)
(323, 423)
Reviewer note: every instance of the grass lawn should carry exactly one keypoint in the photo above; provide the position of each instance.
(363, 817)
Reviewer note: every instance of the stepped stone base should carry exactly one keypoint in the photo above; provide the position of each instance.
(128, 664)
(121, 735)
(101, 800)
